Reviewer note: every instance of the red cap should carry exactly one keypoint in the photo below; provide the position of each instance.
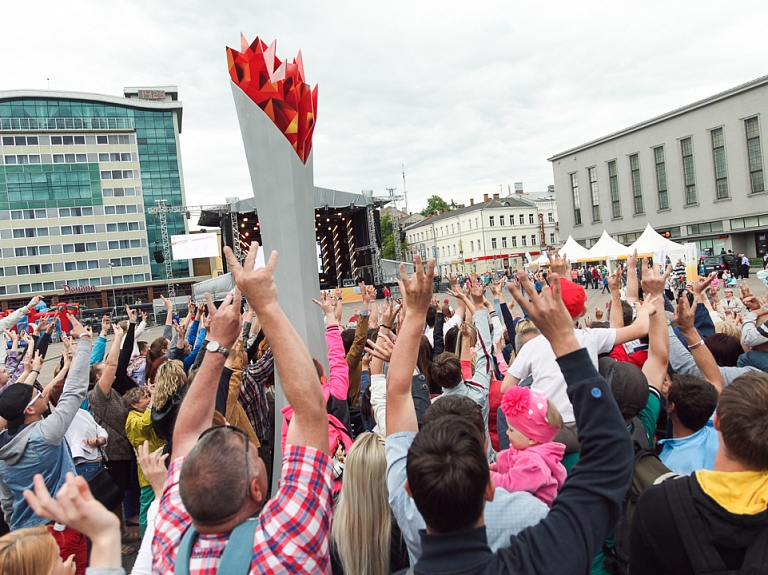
(353, 319)
(445, 300)
(574, 297)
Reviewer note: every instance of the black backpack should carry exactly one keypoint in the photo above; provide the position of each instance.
(701, 553)
(648, 471)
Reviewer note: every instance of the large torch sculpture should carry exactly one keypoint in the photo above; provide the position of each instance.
(277, 111)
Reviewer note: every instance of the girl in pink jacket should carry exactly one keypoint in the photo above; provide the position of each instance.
(533, 461)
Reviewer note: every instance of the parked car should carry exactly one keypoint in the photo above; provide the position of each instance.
(720, 263)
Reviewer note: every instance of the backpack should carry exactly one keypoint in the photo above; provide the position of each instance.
(237, 556)
(648, 471)
(702, 554)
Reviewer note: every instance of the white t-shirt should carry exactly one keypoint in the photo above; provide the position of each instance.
(537, 359)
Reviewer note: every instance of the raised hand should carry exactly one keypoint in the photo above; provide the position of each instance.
(548, 313)
(684, 315)
(167, 303)
(12, 335)
(338, 293)
(191, 307)
(258, 286)
(225, 320)
(105, 323)
(614, 280)
(34, 301)
(37, 362)
(117, 330)
(653, 281)
(132, 314)
(417, 290)
(365, 295)
(76, 507)
(143, 316)
(381, 348)
(702, 282)
(153, 466)
(326, 304)
(477, 290)
(558, 264)
(744, 290)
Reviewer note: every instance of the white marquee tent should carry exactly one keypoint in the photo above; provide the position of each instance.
(574, 251)
(650, 242)
(606, 248)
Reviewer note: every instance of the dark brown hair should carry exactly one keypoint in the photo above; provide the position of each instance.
(446, 370)
(448, 473)
(695, 400)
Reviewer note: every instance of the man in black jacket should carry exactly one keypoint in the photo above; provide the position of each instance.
(713, 521)
(450, 481)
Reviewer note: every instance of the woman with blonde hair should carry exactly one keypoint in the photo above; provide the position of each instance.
(365, 539)
(32, 551)
(170, 386)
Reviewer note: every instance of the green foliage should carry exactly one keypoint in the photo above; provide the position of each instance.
(388, 241)
(435, 204)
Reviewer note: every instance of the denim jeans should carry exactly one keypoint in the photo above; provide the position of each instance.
(88, 469)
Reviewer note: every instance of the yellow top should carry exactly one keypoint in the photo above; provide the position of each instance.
(740, 493)
(138, 428)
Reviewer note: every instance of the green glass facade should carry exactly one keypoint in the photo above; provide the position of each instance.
(68, 185)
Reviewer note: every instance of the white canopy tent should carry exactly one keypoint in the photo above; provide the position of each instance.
(605, 249)
(573, 251)
(651, 242)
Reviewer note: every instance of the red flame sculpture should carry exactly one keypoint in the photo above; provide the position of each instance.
(279, 89)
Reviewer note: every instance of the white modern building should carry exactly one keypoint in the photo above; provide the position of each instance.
(492, 235)
(695, 174)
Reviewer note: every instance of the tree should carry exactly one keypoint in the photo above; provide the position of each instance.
(387, 239)
(435, 204)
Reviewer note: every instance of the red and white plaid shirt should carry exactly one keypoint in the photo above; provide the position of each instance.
(294, 529)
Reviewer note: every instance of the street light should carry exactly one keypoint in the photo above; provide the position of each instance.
(114, 298)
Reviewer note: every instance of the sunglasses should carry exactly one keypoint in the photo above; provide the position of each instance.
(244, 435)
(34, 399)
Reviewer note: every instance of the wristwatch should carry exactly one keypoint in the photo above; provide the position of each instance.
(214, 347)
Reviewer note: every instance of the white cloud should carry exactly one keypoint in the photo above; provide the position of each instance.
(468, 97)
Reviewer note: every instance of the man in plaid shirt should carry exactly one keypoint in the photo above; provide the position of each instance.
(217, 483)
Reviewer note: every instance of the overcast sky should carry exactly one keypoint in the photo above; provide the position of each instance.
(469, 96)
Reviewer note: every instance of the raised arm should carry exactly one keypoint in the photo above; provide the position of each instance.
(417, 295)
(122, 382)
(633, 293)
(684, 316)
(110, 367)
(168, 329)
(338, 376)
(616, 316)
(655, 367)
(309, 425)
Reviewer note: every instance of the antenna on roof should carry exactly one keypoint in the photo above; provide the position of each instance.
(405, 192)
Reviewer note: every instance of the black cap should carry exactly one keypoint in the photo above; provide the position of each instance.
(628, 384)
(13, 402)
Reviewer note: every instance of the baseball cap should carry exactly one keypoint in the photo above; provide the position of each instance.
(574, 297)
(13, 402)
(628, 384)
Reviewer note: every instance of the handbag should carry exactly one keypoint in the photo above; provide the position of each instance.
(104, 488)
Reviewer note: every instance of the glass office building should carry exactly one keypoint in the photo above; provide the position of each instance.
(61, 151)
(91, 134)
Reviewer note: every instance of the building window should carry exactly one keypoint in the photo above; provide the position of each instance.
(637, 189)
(453, 230)
(530, 218)
(501, 221)
(576, 201)
(550, 217)
(613, 179)
(755, 155)
(454, 249)
(504, 242)
(479, 247)
(594, 196)
(686, 147)
(718, 154)
(514, 241)
(661, 177)
(491, 222)
(533, 239)
(511, 219)
(521, 219)
(493, 243)
(552, 239)
(524, 239)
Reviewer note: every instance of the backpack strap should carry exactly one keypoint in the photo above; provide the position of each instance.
(639, 435)
(237, 554)
(703, 556)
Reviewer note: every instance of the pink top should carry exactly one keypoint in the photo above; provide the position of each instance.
(338, 382)
(536, 470)
(503, 367)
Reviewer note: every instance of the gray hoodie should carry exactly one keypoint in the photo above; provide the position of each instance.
(40, 448)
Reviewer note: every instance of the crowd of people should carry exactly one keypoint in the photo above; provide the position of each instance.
(497, 437)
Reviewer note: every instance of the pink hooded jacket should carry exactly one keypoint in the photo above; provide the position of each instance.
(536, 470)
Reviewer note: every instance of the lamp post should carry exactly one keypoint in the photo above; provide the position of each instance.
(114, 298)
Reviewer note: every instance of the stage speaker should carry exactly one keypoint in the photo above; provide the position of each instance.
(159, 257)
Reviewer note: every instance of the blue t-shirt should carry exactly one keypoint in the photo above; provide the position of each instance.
(688, 454)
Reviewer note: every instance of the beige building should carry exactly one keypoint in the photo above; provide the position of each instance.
(492, 235)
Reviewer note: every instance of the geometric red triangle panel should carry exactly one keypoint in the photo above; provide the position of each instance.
(278, 88)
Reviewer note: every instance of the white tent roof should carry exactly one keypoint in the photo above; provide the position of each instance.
(573, 251)
(650, 242)
(605, 248)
